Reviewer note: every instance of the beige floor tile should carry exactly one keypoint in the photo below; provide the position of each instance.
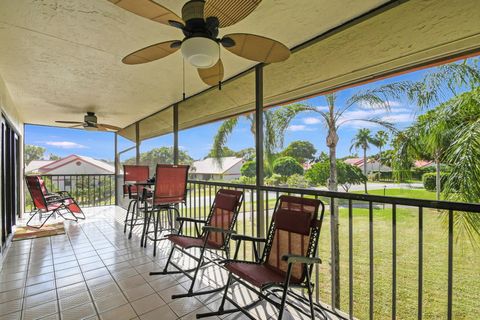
(138, 292)
(85, 311)
(185, 305)
(75, 300)
(11, 306)
(110, 302)
(147, 303)
(40, 298)
(124, 312)
(164, 313)
(40, 311)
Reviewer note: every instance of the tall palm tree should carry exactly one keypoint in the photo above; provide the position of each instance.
(276, 123)
(381, 140)
(334, 117)
(362, 140)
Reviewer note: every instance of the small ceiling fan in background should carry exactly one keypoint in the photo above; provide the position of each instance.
(200, 25)
(90, 123)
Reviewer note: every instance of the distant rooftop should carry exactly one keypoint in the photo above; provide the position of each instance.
(212, 166)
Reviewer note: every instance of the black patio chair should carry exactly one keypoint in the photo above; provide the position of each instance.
(287, 260)
(135, 193)
(215, 236)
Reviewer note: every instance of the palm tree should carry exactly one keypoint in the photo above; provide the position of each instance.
(427, 137)
(334, 117)
(276, 123)
(381, 140)
(362, 140)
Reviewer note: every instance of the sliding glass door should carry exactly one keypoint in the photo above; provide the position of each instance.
(10, 184)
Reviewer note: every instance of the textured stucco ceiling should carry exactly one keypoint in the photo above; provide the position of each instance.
(61, 58)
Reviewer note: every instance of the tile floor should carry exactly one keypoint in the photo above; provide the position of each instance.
(95, 272)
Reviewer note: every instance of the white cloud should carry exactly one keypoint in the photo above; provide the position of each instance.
(299, 127)
(65, 144)
(392, 104)
(396, 118)
(311, 120)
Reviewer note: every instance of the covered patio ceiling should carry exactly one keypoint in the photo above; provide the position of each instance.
(63, 57)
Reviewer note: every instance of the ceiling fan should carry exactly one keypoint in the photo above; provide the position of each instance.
(90, 123)
(200, 23)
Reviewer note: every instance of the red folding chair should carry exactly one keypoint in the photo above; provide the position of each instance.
(215, 236)
(287, 260)
(131, 175)
(50, 203)
(170, 191)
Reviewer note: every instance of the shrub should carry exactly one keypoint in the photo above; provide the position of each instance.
(287, 166)
(430, 180)
(248, 169)
(247, 180)
(297, 181)
(273, 180)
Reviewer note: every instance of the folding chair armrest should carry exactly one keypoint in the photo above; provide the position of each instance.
(292, 258)
(182, 220)
(240, 237)
(185, 219)
(214, 229)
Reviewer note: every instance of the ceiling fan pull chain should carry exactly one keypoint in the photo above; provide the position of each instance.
(219, 58)
(183, 63)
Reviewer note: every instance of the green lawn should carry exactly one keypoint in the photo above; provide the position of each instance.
(406, 193)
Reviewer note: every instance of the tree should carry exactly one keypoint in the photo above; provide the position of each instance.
(160, 155)
(381, 140)
(32, 152)
(276, 122)
(302, 151)
(428, 137)
(333, 118)
(247, 154)
(362, 140)
(226, 152)
(54, 157)
(348, 175)
(287, 166)
(248, 169)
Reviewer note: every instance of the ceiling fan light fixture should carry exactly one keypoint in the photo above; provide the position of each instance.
(200, 52)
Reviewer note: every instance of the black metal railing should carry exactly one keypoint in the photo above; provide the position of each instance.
(89, 190)
(382, 244)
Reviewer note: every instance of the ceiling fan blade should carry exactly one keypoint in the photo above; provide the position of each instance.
(256, 48)
(76, 126)
(229, 12)
(148, 9)
(108, 126)
(153, 52)
(69, 122)
(213, 75)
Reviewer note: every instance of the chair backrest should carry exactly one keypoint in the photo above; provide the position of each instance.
(42, 185)
(35, 189)
(223, 214)
(133, 173)
(170, 183)
(295, 229)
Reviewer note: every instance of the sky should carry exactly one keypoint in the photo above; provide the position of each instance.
(198, 141)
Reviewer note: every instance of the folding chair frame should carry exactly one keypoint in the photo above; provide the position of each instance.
(206, 230)
(53, 198)
(269, 289)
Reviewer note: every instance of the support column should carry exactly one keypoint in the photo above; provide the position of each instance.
(137, 143)
(259, 140)
(175, 133)
(116, 164)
